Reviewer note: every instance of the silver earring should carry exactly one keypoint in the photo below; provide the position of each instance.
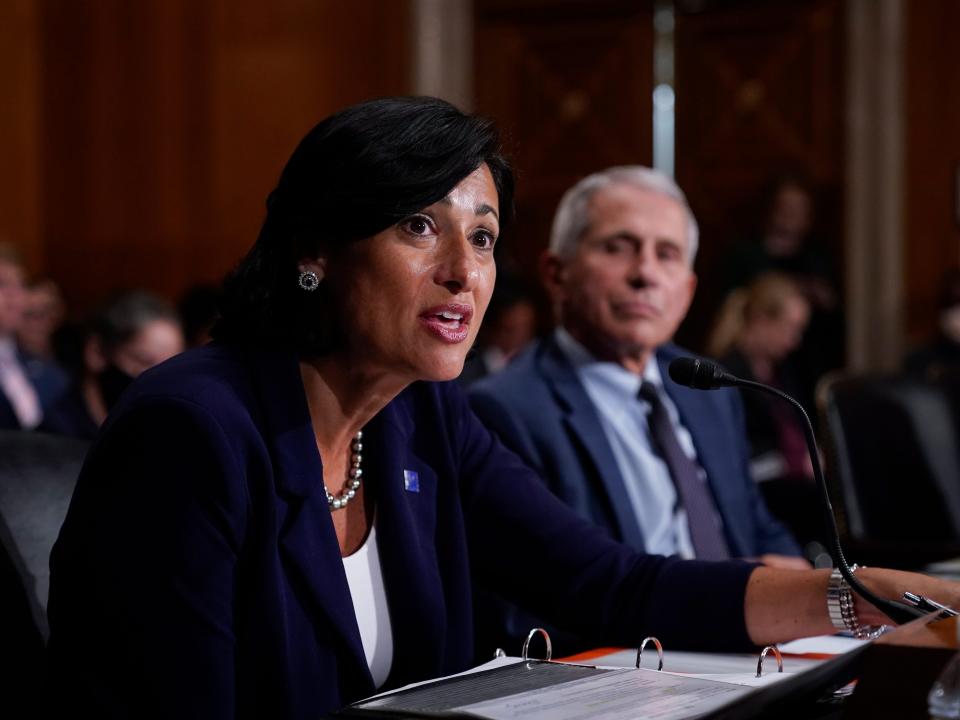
(309, 280)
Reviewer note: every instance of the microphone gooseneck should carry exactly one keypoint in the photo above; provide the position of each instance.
(701, 374)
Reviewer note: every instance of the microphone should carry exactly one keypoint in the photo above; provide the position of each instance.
(701, 374)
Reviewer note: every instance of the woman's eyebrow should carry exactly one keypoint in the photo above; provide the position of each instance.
(482, 209)
(485, 209)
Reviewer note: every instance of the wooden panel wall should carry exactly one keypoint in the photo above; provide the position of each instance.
(570, 84)
(166, 123)
(759, 93)
(19, 131)
(932, 163)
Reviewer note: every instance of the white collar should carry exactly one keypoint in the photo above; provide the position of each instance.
(605, 371)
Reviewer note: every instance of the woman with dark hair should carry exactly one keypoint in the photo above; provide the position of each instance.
(236, 548)
(131, 332)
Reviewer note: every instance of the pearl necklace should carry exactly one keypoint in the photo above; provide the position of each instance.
(353, 476)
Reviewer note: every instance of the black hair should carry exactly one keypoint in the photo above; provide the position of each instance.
(198, 308)
(355, 174)
(120, 319)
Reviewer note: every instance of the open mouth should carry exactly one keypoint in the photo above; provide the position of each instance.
(451, 318)
(450, 323)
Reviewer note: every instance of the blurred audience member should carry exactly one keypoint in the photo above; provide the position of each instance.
(199, 309)
(757, 329)
(509, 325)
(130, 334)
(785, 243)
(44, 311)
(942, 354)
(28, 384)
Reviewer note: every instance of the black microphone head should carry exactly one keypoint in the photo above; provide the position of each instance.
(698, 374)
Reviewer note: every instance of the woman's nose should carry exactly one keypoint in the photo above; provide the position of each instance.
(458, 269)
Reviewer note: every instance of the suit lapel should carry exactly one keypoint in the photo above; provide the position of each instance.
(584, 426)
(709, 431)
(406, 531)
(307, 542)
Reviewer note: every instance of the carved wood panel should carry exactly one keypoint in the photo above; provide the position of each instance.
(570, 85)
(759, 94)
(932, 163)
(167, 122)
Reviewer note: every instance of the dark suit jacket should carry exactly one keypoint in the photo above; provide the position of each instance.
(48, 380)
(539, 408)
(198, 573)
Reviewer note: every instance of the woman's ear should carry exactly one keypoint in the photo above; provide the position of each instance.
(317, 265)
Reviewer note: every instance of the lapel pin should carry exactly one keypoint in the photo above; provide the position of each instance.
(411, 481)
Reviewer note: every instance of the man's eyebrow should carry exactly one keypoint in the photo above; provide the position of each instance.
(670, 240)
(621, 235)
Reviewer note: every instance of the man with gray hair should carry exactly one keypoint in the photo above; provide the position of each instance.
(662, 467)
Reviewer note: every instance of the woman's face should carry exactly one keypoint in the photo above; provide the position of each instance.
(412, 296)
(781, 335)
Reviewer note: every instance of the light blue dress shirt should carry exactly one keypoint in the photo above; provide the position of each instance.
(613, 390)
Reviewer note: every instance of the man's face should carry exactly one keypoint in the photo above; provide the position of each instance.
(628, 285)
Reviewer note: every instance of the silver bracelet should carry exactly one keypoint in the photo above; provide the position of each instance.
(843, 614)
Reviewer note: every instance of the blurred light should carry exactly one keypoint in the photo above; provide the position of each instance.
(663, 19)
(663, 97)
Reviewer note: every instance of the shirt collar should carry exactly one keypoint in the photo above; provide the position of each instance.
(610, 374)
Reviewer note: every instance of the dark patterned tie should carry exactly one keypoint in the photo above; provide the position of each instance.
(705, 530)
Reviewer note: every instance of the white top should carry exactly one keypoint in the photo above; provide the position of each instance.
(623, 417)
(365, 579)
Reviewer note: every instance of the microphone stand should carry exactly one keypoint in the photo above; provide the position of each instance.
(897, 611)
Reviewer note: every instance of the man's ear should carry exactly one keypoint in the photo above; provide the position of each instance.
(691, 290)
(553, 274)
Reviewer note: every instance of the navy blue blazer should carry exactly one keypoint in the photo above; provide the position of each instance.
(540, 409)
(48, 380)
(198, 573)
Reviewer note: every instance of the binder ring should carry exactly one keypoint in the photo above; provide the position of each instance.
(656, 644)
(763, 654)
(546, 638)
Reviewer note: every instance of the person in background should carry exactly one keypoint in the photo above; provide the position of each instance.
(786, 242)
(942, 354)
(510, 324)
(662, 468)
(130, 334)
(28, 384)
(619, 270)
(44, 312)
(757, 329)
